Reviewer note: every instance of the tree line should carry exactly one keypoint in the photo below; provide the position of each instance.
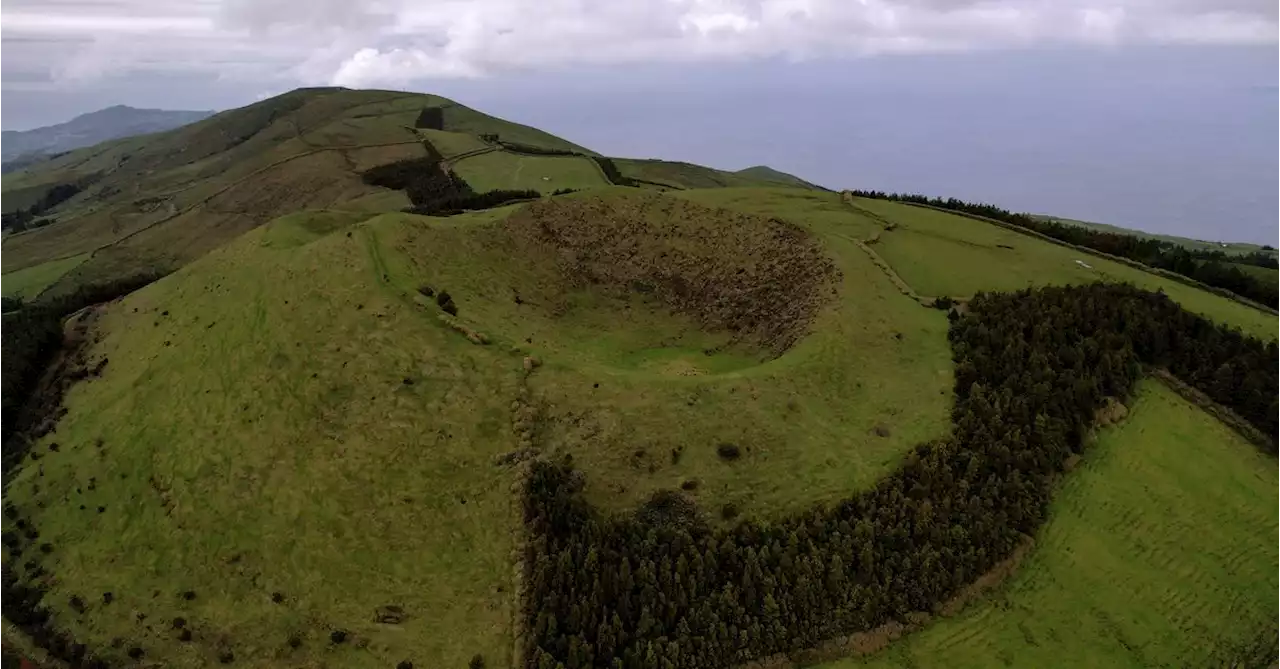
(32, 336)
(657, 589)
(29, 218)
(1210, 267)
(431, 118)
(434, 190)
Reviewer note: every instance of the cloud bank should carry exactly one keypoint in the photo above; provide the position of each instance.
(390, 43)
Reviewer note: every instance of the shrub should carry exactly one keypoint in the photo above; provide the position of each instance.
(728, 451)
(477, 662)
(729, 511)
(669, 509)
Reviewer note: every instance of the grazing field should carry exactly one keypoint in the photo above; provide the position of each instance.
(28, 282)
(942, 254)
(273, 420)
(458, 118)
(1160, 551)
(511, 171)
(451, 144)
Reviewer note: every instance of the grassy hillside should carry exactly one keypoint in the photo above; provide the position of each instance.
(319, 437)
(28, 283)
(497, 170)
(687, 175)
(164, 200)
(943, 254)
(295, 381)
(451, 144)
(294, 430)
(766, 173)
(461, 119)
(1160, 551)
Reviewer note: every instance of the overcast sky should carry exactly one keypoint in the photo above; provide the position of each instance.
(1158, 114)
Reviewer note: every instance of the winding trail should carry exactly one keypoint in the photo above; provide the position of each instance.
(865, 245)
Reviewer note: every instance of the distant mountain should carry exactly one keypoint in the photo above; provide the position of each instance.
(766, 173)
(89, 129)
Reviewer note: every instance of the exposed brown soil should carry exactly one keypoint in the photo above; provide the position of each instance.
(761, 278)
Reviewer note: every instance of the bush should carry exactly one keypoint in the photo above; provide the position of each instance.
(668, 509)
(477, 662)
(728, 451)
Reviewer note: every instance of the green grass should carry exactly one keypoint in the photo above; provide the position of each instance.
(510, 171)
(688, 175)
(22, 197)
(465, 120)
(766, 173)
(165, 199)
(260, 437)
(451, 144)
(28, 282)
(1160, 551)
(624, 377)
(819, 210)
(942, 254)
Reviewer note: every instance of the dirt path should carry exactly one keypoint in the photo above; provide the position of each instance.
(865, 244)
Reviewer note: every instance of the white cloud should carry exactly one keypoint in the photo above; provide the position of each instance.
(396, 67)
(395, 42)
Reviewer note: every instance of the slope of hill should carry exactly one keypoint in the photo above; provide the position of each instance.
(89, 129)
(163, 200)
(766, 173)
(678, 175)
(332, 436)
